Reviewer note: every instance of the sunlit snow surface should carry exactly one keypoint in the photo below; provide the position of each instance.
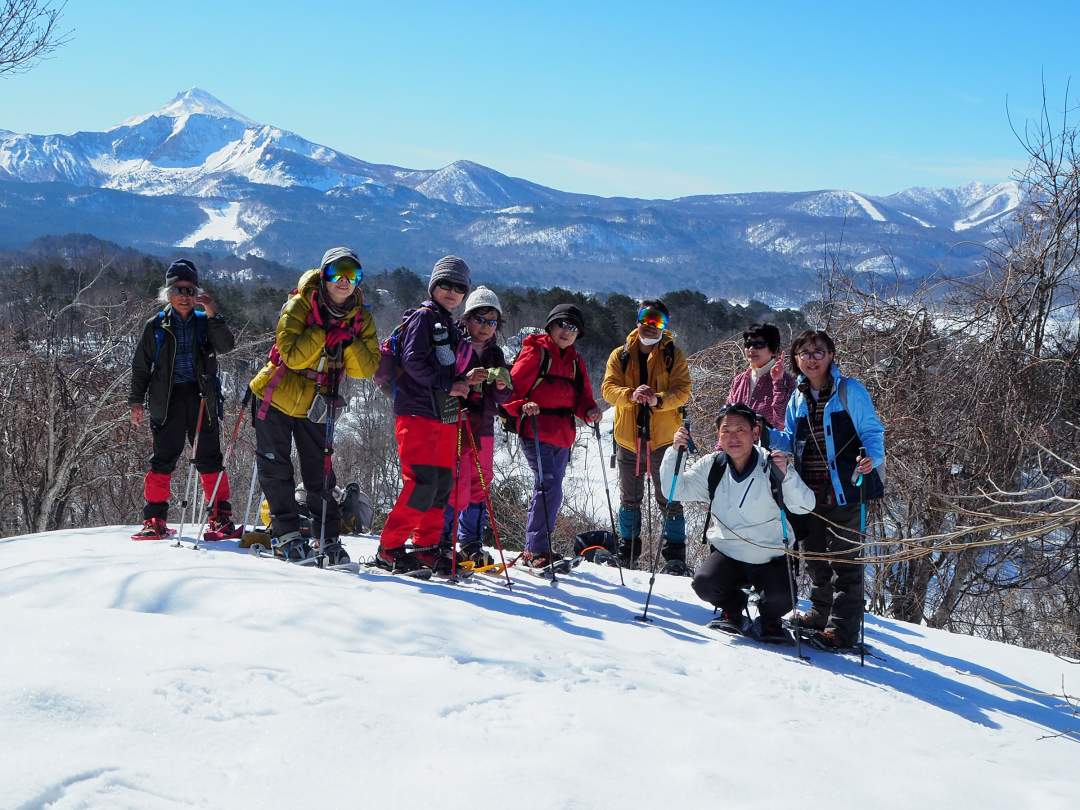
(137, 675)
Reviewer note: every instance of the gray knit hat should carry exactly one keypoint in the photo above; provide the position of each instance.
(482, 298)
(449, 268)
(333, 254)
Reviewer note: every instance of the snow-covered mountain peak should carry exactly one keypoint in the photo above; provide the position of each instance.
(193, 101)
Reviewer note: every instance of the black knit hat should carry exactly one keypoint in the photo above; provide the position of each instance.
(567, 312)
(180, 271)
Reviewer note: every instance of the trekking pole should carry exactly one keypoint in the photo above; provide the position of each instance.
(607, 492)
(862, 534)
(251, 486)
(543, 497)
(791, 587)
(191, 470)
(455, 494)
(644, 617)
(486, 487)
(328, 466)
(224, 461)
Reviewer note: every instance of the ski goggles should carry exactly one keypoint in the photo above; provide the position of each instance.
(648, 316)
(344, 270)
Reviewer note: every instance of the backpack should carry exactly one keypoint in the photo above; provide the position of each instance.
(389, 369)
(510, 424)
(669, 357)
(716, 474)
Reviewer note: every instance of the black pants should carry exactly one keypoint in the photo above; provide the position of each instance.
(274, 437)
(720, 580)
(836, 586)
(179, 430)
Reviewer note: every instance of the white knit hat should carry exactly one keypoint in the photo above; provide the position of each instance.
(482, 298)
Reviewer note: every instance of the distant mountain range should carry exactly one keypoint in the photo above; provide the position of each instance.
(196, 173)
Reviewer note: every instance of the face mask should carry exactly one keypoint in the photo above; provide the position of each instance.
(649, 341)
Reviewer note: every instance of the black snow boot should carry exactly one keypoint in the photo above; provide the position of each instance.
(629, 551)
(397, 560)
(674, 555)
(291, 547)
(335, 552)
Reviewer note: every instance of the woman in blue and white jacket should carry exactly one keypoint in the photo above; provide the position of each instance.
(829, 418)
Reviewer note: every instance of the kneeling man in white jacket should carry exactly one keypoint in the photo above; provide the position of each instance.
(747, 529)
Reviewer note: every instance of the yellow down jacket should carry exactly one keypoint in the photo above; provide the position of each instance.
(623, 375)
(301, 345)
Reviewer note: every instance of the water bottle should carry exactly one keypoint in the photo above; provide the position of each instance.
(444, 353)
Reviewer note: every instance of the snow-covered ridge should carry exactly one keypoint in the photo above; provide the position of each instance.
(138, 675)
(194, 101)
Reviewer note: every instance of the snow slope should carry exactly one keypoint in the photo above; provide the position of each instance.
(137, 675)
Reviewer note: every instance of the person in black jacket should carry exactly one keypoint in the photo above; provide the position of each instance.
(174, 371)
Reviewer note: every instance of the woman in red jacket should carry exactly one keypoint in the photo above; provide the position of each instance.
(551, 384)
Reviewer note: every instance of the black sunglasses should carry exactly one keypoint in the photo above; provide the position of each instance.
(756, 344)
(452, 287)
(184, 290)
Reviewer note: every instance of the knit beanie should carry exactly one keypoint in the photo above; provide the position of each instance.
(333, 254)
(567, 312)
(182, 270)
(449, 268)
(482, 298)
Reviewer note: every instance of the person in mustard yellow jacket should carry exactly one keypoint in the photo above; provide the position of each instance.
(648, 382)
(324, 334)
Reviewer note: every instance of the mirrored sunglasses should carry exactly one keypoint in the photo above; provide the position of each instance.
(184, 290)
(652, 317)
(569, 326)
(343, 270)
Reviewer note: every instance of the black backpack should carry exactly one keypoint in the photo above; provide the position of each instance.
(716, 474)
(669, 356)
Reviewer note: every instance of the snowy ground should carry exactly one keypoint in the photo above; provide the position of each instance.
(136, 675)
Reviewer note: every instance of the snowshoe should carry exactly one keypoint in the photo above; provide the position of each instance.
(732, 625)
(770, 632)
(399, 561)
(222, 528)
(334, 553)
(255, 537)
(290, 547)
(477, 555)
(153, 529)
(677, 568)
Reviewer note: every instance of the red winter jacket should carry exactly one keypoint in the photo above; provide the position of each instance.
(561, 395)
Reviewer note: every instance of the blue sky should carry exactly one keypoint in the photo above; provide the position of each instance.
(642, 99)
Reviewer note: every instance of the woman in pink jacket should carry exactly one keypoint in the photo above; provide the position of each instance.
(765, 386)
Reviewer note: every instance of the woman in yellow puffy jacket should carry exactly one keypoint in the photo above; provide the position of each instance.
(324, 334)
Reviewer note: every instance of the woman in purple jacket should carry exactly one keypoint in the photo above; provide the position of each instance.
(765, 386)
(477, 349)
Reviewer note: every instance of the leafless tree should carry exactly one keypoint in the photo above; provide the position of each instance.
(29, 31)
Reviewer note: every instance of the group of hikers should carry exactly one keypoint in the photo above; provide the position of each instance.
(449, 381)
